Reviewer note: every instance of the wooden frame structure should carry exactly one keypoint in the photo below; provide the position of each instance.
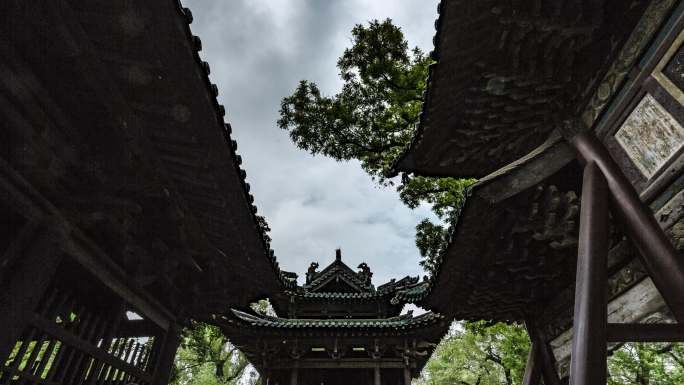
(601, 146)
(127, 213)
(125, 210)
(338, 328)
(71, 315)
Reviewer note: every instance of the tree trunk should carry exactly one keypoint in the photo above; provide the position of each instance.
(219, 370)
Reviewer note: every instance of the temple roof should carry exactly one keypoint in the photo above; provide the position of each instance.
(119, 103)
(338, 283)
(358, 282)
(528, 259)
(529, 182)
(503, 71)
(282, 342)
(404, 321)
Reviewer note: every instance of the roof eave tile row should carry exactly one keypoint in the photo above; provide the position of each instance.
(402, 163)
(325, 275)
(406, 321)
(231, 143)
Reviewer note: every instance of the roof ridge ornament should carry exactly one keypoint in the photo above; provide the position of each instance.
(365, 273)
(312, 272)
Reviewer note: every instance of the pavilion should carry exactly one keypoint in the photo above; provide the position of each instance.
(570, 114)
(338, 328)
(125, 210)
(127, 214)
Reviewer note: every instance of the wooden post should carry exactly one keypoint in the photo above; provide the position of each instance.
(588, 359)
(294, 374)
(30, 278)
(664, 264)
(532, 369)
(645, 332)
(548, 365)
(547, 361)
(118, 315)
(377, 380)
(266, 376)
(167, 354)
(407, 375)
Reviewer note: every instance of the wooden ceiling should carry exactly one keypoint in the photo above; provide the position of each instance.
(112, 117)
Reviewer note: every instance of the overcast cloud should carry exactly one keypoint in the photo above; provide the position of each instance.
(258, 51)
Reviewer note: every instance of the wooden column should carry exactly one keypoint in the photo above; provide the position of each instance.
(294, 376)
(548, 365)
(35, 265)
(167, 354)
(621, 332)
(532, 368)
(588, 359)
(663, 263)
(377, 379)
(407, 375)
(546, 359)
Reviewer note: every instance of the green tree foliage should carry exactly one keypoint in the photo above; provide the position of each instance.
(206, 357)
(479, 353)
(647, 364)
(372, 119)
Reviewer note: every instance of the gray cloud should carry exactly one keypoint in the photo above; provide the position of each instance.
(258, 51)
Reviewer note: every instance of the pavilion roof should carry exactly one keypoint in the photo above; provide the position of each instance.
(528, 256)
(274, 339)
(503, 71)
(144, 162)
(475, 122)
(401, 322)
(340, 270)
(359, 288)
(338, 295)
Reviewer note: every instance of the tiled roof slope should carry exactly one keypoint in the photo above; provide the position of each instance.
(405, 321)
(232, 144)
(503, 72)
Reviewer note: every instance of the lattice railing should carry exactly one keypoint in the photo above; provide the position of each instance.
(71, 339)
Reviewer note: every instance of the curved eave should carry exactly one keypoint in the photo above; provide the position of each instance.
(483, 108)
(261, 257)
(450, 289)
(138, 137)
(399, 323)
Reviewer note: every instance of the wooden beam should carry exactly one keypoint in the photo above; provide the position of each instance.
(294, 376)
(407, 375)
(137, 328)
(548, 365)
(81, 248)
(547, 360)
(662, 262)
(589, 350)
(645, 332)
(340, 364)
(532, 368)
(31, 276)
(111, 275)
(164, 364)
(116, 319)
(82, 345)
(24, 375)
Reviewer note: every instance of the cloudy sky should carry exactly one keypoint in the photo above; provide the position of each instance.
(258, 51)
